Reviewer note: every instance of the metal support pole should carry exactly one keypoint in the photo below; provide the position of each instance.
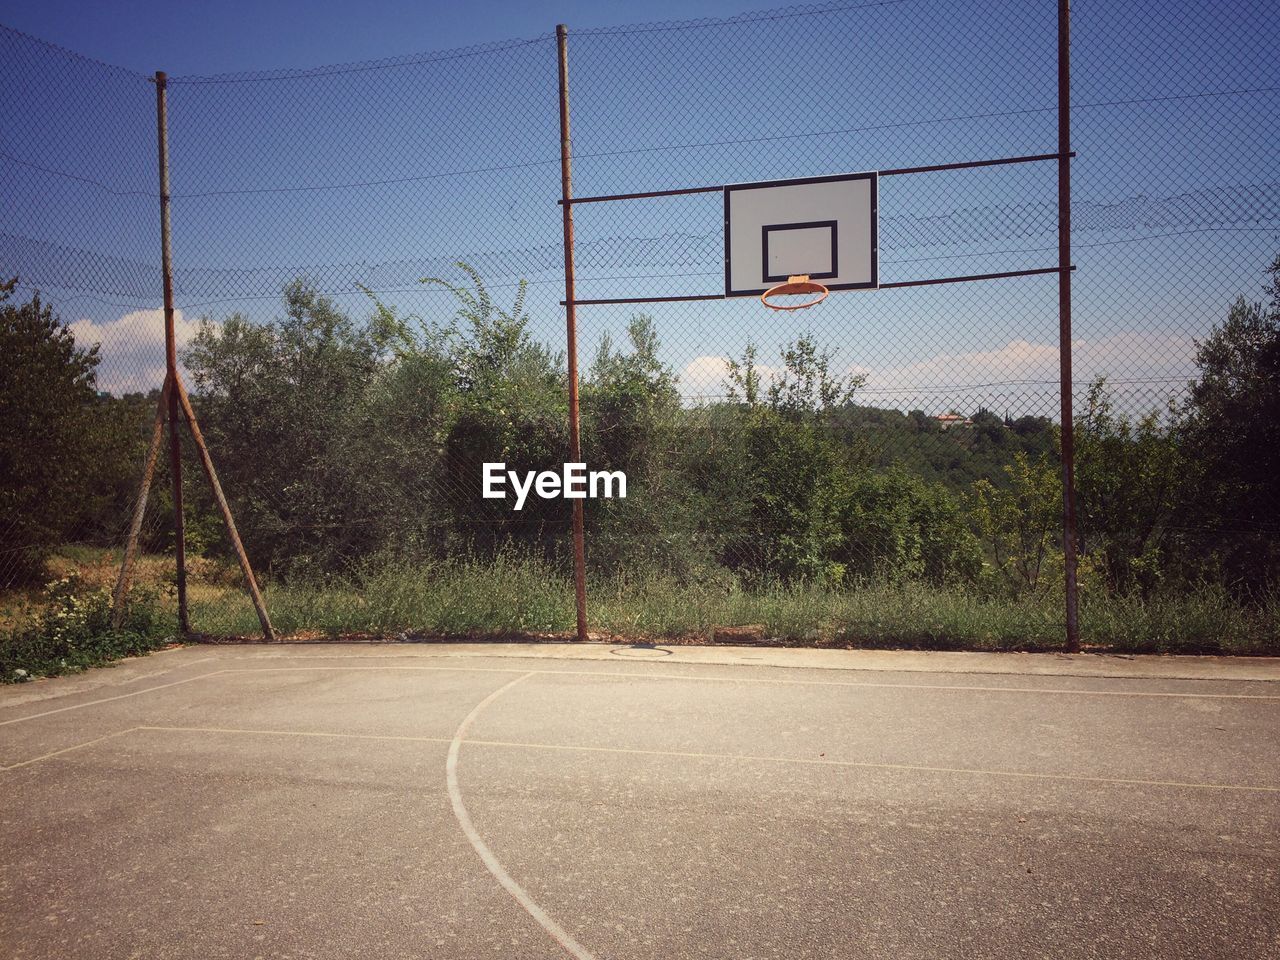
(1069, 542)
(139, 509)
(207, 462)
(171, 351)
(571, 328)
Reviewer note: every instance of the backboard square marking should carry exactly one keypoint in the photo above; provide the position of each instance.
(813, 252)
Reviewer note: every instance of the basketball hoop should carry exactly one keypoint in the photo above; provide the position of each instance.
(797, 284)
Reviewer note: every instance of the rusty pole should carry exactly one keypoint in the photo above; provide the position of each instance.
(171, 351)
(139, 510)
(571, 328)
(1069, 542)
(207, 462)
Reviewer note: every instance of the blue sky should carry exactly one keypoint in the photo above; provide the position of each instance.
(377, 176)
(222, 36)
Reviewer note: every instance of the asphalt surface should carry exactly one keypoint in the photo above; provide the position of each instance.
(480, 801)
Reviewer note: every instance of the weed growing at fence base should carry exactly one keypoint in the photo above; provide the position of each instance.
(516, 596)
(71, 630)
(68, 629)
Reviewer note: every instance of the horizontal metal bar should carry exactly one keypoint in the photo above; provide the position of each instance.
(965, 165)
(700, 296)
(969, 164)
(966, 278)
(972, 276)
(642, 196)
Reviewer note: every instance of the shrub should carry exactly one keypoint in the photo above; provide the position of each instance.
(73, 631)
(894, 526)
(1018, 524)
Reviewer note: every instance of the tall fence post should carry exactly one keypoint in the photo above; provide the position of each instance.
(1069, 542)
(171, 350)
(571, 329)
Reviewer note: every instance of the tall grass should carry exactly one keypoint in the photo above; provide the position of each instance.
(511, 596)
(505, 595)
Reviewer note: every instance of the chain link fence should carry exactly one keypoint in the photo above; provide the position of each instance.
(368, 284)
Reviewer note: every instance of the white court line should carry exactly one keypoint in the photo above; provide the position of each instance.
(745, 662)
(786, 681)
(300, 733)
(123, 696)
(757, 758)
(975, 771)
(215, 673)
(428, 669)
(58, 753)
(558, 933)
(225, 730)
(958, 688)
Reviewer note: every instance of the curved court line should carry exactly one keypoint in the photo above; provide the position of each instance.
(558, 933)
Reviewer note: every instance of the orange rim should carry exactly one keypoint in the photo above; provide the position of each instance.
(800, 284)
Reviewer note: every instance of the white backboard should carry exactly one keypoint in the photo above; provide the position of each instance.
(826, 227)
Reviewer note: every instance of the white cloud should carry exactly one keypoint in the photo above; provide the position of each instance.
(132, 348)
(1130, 360)
(707, 377)
(1141, 367)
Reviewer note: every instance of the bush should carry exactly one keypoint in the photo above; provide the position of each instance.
(1018, 524)
(276, 402)
(1127, 482)
(895, 526)
(633, 422)
(789, 481)
(73, 631)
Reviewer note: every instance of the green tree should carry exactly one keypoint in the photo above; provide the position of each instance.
(793, 465)
(1128, 474)
(989, 430)
(510, 407)
(631, 401)
(281, 402)
(400, 430)
(1019, 523)
(1232, 433)
(803, 387)
(47, 398)
(633, 421)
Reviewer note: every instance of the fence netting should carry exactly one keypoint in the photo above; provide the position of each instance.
(368, 282)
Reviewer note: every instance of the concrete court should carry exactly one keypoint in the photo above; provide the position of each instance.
(337, 801)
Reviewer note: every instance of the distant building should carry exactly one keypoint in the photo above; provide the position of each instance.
(948, 420)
